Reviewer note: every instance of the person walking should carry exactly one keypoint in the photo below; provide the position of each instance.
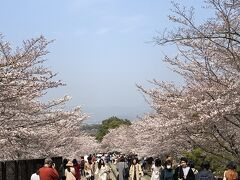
(82, 162)
(156, 169)
(89, 169)
(167, 172)
(70, 171)
(35, 176)
(205, 173)
(122, 168)
(230, 173)
(135, 170)
(48, 171)
(102, 170)
(184, 172)
(76, 166)
(191, 164)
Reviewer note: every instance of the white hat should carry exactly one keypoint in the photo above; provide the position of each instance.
(69, 163)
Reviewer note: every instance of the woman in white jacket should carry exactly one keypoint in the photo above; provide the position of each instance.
(102, 170)
(156, 170)
(70, 171)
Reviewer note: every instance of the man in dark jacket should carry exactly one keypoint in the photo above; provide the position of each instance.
(184, 172)
(205, 174)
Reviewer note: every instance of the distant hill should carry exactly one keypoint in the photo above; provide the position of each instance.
(100, 130)
(90, 129)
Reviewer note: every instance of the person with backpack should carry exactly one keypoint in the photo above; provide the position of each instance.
(205, 173)
(167, 172)
(191, 164)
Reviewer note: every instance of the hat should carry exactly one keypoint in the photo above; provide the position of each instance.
(69, 163)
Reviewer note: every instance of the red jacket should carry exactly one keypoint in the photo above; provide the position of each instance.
(48, 173)
(77, 171)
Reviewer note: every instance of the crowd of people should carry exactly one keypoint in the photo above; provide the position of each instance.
(186, 170)
(87, 167)
(170, 170)
(129, 168)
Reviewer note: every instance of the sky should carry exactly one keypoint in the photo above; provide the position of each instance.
(101, 48)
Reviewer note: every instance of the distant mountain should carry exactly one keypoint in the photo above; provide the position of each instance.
(90, 129)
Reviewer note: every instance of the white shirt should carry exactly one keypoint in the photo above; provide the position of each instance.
(35, 177)
(155, 172)
(185, 171)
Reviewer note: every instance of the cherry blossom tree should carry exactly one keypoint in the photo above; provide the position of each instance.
(120, 139)
(145, 137)
(31, 127)
(205, 109)
(77, 146)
